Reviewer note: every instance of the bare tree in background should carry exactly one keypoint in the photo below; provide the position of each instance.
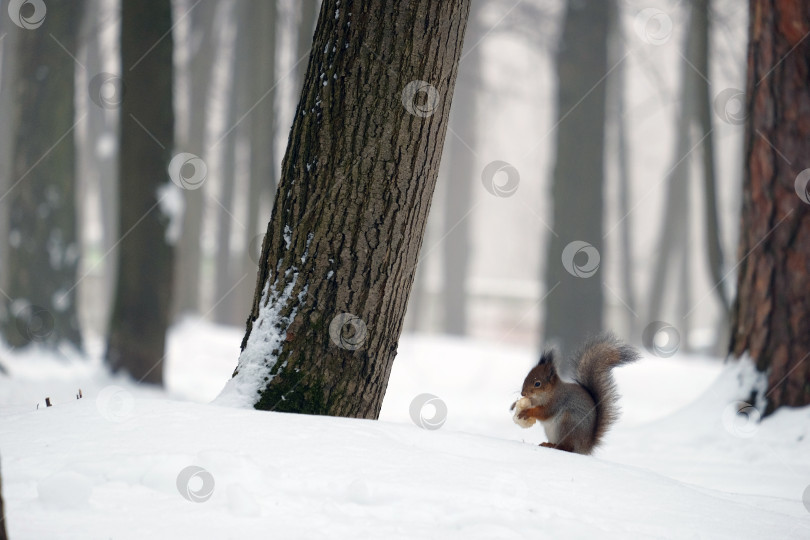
(3, 534)
(203, 16)
(307, 17)
(772, 307)
(340, 252)
(461, 177)
(675, 242)
(616, 95)
(144, 289)
(261, 121)
(43, 251)
(574, 308)
(225, 311)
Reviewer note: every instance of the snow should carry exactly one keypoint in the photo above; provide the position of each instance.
(128, 461)
(172, 204)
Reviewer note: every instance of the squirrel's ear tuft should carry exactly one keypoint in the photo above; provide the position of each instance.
(546, 358)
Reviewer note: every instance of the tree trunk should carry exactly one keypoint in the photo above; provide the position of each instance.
(624, 180)
(715, 260)
(43, 253)
(223, 267)
(341, 247)
(574, 309)
(143, 292)
(7, 76)
(461, 177)
(189, 251)
(3, 534)
(772, 307)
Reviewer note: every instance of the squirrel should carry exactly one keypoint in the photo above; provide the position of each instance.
(575, 415)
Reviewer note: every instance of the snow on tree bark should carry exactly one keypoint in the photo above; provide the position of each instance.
(772, 307)
(341, 248)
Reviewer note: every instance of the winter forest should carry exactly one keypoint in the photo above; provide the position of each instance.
(364, 269)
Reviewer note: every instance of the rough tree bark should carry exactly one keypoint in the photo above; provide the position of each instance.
(772, 307)
(357, 181)
(574, 308)
(143, 292)
(43, 254)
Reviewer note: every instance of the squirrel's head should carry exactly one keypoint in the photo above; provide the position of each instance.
(542, 377)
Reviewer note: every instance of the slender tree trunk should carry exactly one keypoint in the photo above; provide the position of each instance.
(674, 240)
(263, 155)
(189, 252)
(340, 252)
(223, 267)
(702, 25)
(44, 250)
(143, 293)
(261, 125)
(772, 307)
(574, 308)
(623, 169)
(98, 157)
(307, 17)
(3, 534)
(461, 178)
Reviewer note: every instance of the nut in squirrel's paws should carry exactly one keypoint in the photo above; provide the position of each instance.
(520, 405)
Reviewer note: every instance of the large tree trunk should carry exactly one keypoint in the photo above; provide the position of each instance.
(43, 253)
(772, 307)
(143, 293)
(341, 248)
(574, 309)
(461, 177)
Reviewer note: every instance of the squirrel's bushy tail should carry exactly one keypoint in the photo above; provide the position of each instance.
(592, 365)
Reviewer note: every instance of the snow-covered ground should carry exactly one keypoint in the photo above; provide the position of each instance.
(113, 464)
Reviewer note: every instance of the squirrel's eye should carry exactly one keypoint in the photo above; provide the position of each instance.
(536, 384)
